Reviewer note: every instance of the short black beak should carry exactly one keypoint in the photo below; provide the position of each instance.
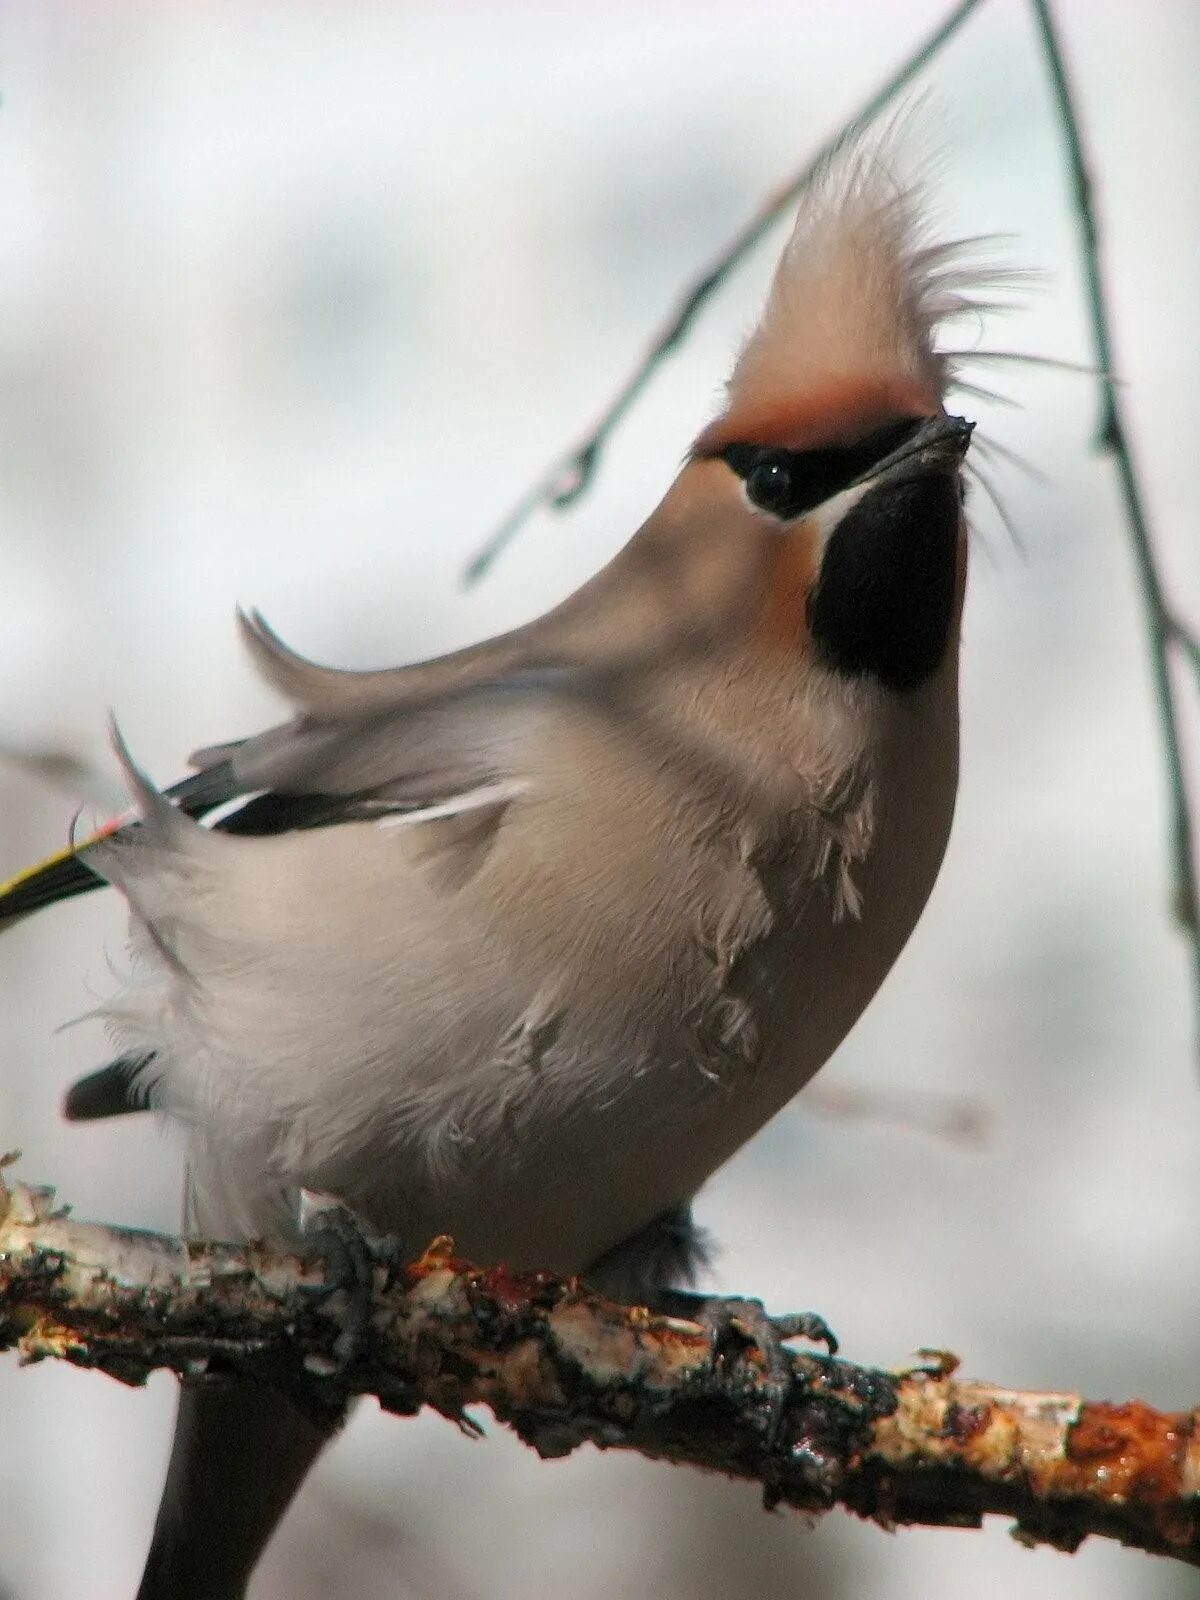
(938, 445)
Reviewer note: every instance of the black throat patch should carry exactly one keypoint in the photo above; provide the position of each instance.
(883, 602)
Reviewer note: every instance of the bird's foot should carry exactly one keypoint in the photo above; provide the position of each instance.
(350, 1255)
(735, 1325)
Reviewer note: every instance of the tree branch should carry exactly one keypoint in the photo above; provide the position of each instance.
(564, 1367)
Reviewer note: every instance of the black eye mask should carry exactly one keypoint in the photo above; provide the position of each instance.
(787, 483)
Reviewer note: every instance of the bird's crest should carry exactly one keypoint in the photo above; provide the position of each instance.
(847, 338)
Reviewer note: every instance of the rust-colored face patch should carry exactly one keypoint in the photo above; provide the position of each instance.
(793, 562)
(837, 411)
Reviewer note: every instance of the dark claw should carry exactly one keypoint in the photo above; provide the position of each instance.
(749, 1320)
(732, 1324)
(350, 1256)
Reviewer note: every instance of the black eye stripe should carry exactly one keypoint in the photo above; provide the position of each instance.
(789, 482)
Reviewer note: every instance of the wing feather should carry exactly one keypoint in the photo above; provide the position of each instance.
(311, 772)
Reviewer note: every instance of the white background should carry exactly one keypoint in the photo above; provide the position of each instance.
(294, 299)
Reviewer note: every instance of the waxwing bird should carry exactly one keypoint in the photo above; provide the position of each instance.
(521, 943)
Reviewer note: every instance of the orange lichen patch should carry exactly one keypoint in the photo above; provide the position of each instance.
(439, 1255)
(834, 410)
(1054, 1448)
(793, 561)
(437, 1275)
(1126, 1452)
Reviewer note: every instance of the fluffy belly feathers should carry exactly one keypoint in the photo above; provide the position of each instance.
(438, 1061)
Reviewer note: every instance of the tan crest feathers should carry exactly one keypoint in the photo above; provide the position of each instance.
(847, 338)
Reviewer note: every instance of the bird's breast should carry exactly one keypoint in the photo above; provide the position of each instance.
(686, 993)
(633, 970)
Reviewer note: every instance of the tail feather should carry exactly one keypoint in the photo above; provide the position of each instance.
(66, 873)
(241, 1451)
(60, 878)
(111, 1091)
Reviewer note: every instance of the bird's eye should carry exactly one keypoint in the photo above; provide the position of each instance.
(769, 485)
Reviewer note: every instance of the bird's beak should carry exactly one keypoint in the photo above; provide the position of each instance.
(939, 445)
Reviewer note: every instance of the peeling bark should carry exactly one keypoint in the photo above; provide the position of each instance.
(564, 1367)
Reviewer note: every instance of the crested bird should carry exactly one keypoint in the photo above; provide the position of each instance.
(521, 943)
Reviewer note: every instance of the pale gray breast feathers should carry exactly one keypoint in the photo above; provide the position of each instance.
(533, 933)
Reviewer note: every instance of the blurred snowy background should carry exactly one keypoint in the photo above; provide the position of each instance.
(294, 299)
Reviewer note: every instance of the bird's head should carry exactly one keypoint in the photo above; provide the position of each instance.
(834, 456)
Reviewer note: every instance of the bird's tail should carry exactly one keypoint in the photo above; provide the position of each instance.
(59, 877)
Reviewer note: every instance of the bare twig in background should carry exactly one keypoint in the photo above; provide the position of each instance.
(1165, 629)
(66, 771)
(1188, 642)
(958, 1119)
(568, 477)
(563, 1368)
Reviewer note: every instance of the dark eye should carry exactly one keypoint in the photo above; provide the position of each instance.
(769, 485)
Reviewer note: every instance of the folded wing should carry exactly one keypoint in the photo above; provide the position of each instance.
(444, 729)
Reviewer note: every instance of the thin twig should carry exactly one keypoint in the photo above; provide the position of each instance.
(564, 1368)
(1113, 438)
(1187, 641)
(571, 473)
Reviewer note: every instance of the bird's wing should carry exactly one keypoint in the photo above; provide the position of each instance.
(454, 766)
(451, 753)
